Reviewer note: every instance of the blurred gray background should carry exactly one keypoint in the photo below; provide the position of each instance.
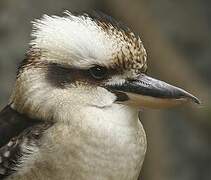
(177, 37)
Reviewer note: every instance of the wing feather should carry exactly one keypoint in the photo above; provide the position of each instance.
(12, 124)
(17, 132)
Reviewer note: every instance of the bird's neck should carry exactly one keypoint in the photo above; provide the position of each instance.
(97, 143)
(115, 115)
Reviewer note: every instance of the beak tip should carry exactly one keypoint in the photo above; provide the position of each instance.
(195, 99)
(190, 97)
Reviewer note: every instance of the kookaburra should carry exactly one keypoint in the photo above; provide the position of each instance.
(73, 113)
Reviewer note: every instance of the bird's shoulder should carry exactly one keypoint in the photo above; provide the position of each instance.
(20, 137)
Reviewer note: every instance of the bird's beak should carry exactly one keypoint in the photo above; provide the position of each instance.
(145, 91)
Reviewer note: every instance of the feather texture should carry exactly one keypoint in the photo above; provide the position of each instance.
(20, 137)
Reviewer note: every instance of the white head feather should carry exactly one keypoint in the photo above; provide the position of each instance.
(76, 40)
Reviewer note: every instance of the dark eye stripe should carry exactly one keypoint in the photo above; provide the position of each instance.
(60, 76)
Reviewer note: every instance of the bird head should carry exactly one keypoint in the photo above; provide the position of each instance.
(91, 61)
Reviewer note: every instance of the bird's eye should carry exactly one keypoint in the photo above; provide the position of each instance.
(98, 72)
